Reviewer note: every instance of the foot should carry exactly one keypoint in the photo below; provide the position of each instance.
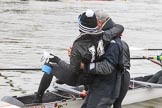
(38, 99)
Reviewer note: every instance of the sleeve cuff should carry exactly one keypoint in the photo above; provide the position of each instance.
(91, 66)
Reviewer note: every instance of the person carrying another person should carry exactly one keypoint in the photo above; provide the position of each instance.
(105, 22)
(88, 47)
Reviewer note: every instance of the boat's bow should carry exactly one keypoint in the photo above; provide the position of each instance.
(7, 105)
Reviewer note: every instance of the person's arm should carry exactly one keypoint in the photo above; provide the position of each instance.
(68, 73)
(108, 64)
(113, 32)
(126, 55)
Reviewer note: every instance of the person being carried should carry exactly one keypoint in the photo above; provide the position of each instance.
(88, 47)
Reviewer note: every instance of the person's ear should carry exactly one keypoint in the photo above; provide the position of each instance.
(99, 22)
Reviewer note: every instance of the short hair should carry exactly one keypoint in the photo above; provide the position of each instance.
(101, 15)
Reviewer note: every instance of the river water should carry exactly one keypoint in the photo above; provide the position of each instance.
(27, 28)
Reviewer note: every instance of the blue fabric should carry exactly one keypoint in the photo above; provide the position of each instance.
(47, 69)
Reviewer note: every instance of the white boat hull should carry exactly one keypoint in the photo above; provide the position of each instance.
(143, 91)
(133, 96)
(7, 105)
(142, 94)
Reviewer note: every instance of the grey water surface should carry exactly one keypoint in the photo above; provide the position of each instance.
(27, 28)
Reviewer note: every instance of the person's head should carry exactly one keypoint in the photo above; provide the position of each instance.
(87, 22)
(103, 20)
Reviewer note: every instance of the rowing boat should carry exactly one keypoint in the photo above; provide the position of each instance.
(64, 96)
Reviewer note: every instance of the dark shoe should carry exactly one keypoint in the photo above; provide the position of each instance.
(59, 81)
(38, 99)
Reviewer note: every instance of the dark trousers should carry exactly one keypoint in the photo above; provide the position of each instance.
(123, 90)
(99, 95)
(97, 100)
(44, 84)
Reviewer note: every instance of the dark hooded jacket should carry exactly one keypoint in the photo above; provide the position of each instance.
(102, 67)
(87, 48)
(117, 55)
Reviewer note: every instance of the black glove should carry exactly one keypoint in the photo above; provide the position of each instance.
(55, 59)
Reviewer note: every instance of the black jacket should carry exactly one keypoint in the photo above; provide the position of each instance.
(109, 69)
(87, 48)
(118, 55)
(115, 60)
(103, 67)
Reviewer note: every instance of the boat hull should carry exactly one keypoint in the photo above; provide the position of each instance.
(66, 99)
(142, 94)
